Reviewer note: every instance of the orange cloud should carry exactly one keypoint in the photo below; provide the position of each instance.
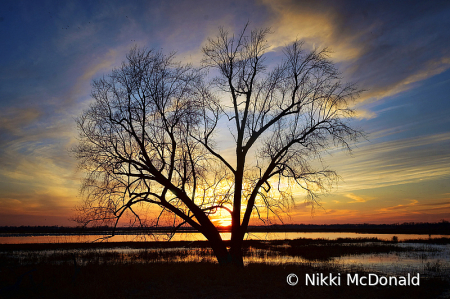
(399, 207)
(292, 21)
(357, 198)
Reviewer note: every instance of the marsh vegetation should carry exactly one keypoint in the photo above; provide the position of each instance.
(93, 270)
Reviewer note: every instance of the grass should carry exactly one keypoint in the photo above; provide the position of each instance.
(151, 271)
(310, 250)
(144, 252)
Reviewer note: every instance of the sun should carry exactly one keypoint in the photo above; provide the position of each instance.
(221, 218)
(221, 221)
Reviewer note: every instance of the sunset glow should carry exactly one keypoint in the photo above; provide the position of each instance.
(399, 54)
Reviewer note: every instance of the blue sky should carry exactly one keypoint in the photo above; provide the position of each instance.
(399, 52)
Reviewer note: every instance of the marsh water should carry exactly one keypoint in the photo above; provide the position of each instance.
(425, 258)
(190, 236)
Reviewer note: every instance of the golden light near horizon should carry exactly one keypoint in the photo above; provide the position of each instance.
(222, 218)
(270, 207)
(224, 148)
(401, 62)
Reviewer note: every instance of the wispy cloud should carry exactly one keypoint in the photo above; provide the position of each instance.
(382, 164)
(13, 120)
(399, 207)
(385, 46)
(53, 50)
(364, 114)
(357, 198)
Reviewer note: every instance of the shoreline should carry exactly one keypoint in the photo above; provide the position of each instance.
(426, 228)
(84, 270)
(205, 244)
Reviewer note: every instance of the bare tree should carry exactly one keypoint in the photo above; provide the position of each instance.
(151, 135)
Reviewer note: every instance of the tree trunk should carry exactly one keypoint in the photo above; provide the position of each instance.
(236, 254)
(236, 238)
(221, 253)
(217, 245)
(224, 256)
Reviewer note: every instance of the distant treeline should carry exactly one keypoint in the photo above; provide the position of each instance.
(442, 228)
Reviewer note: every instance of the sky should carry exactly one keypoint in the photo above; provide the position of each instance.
(397, 51)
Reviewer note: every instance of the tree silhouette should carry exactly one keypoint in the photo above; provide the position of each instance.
(151, 135)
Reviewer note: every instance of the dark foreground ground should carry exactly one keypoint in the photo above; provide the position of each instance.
(190, 280)
(143, 275)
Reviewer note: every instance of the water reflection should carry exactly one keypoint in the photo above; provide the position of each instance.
(199, 237)
(400, 263)
(427, 259)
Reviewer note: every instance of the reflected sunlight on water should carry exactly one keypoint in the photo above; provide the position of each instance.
(427, 259)
(182, 236)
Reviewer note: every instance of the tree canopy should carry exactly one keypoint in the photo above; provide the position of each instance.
(151, 136)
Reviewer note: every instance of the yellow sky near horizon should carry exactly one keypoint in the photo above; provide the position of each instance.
(399, 55)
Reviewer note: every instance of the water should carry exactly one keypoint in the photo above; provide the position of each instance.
(429, 260)
(183, 236)
(434, 260)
